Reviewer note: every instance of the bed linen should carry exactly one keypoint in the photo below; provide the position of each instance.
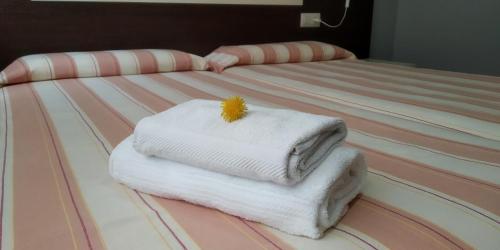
(271, 53)
(53, 66)
(430, 138)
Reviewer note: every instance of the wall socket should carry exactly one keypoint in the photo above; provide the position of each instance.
(307, 20)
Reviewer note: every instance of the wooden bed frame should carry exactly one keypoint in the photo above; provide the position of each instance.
(40, 27)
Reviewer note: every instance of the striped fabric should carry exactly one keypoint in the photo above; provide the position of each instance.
(273, 53)
(431, 140)
(54, 66)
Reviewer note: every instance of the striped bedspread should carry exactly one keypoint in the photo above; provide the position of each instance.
(431, 139)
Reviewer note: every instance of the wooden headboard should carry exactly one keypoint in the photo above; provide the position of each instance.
(37, 27)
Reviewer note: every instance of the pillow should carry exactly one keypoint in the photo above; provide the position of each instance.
(101, 63)
(269, 53)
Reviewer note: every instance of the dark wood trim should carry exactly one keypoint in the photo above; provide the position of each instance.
(38, 27)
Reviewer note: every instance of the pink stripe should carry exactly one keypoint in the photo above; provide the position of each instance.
(4, 165)
(269, 53)
(62, 65)
(34, 131)
(30, 217)
(294, 52)
(340, 53)
(107, 62)
(60, 164)
(150, 99)
(26, 70)
(316, 49)
(147, 61)
(183, 61)
(188, 90)
(17, 72)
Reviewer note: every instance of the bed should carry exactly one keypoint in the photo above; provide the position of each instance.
(431, 141)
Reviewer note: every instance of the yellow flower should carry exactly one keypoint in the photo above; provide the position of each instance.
(233, 108)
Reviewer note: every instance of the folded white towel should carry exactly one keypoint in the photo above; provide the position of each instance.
(275, 145)
(307, 208)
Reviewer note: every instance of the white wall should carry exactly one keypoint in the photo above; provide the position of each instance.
(456, 35)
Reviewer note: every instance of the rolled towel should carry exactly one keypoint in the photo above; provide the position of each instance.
(277, 145)
(307, 208)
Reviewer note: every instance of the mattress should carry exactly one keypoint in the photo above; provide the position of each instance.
(431, 140)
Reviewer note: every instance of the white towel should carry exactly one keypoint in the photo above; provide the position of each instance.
(307, 208)
(275, 145)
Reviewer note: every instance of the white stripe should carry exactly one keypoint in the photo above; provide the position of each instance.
(306, 52)
(282, 54)
(95, 63)
(212, 89)
(3, 78)
(122, 92)
(256, 54)
(50, 65)
(119, 222)
(159, 89)
(127, 62)
(107, 145)
(329, 51)
(333, 239)
(476, 230)
(378, 245)
(222, 59)
(38, 66)
(164, 60)
(115, 99)
(85, 64)
(198, 63)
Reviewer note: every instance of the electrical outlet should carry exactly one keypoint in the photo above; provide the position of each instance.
(307, 20)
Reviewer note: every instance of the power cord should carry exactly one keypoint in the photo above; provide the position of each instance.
(347, 4)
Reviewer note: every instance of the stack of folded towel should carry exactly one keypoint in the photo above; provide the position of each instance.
(279, 167)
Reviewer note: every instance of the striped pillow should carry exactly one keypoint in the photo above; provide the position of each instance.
(101, 63)
(269, 53)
